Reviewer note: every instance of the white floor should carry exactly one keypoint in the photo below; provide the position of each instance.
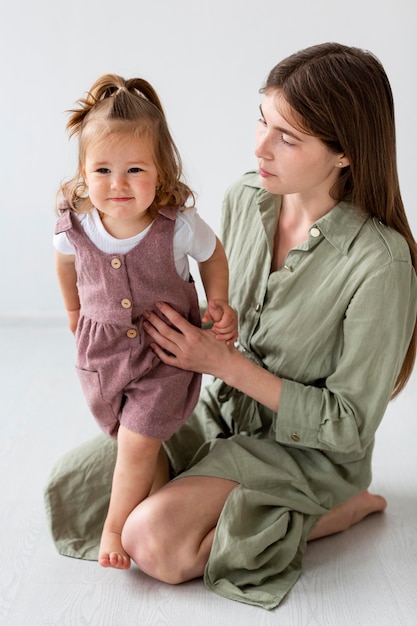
(366, 576)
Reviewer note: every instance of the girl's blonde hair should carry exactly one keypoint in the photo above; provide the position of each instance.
(114, 105)
(342, 95)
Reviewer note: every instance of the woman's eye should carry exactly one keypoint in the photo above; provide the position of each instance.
(287, 143)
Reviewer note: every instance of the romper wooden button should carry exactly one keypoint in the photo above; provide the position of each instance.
(132, 333)
(116, 263)
(126, 303)
(295, 436)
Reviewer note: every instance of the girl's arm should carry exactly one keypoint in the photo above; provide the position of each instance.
(215, 275)
(215, 278)
(67, 278)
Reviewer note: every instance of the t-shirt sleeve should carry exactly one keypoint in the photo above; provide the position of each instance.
(193, 236)
(62, 244)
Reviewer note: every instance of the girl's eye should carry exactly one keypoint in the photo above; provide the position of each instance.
(102, 170)
(262, 121)
(135, 170)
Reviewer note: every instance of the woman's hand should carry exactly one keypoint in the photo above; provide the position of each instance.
(197, 350)
(186, 346)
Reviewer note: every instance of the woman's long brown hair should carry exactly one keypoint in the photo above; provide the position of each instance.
(342, 95)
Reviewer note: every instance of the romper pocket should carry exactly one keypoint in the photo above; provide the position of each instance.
(100, 408)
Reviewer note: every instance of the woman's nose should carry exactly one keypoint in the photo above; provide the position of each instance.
(262, 146)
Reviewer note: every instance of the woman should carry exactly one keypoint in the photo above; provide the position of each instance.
(322, 272)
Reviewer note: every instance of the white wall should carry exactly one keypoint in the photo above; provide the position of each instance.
(207, 59)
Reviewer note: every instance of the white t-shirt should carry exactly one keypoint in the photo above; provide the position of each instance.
(192, 236)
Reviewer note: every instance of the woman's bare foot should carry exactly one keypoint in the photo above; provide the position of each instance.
(111, 553)
(347, 514)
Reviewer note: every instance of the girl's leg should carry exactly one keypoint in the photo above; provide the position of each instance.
(162, 473)
(133, 477)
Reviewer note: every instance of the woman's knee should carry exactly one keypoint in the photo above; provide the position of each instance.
(169, 535)
(149, 541)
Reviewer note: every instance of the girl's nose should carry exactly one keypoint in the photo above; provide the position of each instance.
(118, 181)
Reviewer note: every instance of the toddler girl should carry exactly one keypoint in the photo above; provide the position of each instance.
(122, 241)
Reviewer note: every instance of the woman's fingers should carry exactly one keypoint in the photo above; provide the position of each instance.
(166, 358)
(173, 339)
(184, 345)
(173, 316)
(165, 336)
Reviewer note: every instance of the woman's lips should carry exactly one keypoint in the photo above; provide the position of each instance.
(264, 173)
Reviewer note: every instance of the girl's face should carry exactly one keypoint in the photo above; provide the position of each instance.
(290, 161)
(121, 176)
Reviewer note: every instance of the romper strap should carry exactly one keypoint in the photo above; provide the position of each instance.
(64, 222)
(170, 212)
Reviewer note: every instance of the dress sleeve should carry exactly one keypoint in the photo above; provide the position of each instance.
(344, 413)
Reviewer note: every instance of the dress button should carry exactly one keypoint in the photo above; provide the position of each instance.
(314, 232)
(132, 333)
(116, 263)
(126, 303)
(295, 436)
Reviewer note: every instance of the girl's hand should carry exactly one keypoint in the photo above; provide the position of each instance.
(186, 346)
(73, 317)
(224, 318)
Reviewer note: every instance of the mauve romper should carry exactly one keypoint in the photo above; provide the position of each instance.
(124, 382)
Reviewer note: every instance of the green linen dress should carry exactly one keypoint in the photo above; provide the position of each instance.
(335, 323)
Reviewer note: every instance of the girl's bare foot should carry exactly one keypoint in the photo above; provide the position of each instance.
(111, 552)
(347, 514)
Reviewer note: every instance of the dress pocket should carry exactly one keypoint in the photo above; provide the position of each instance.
(101, 409)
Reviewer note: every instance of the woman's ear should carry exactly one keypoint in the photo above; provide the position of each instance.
(342, 161)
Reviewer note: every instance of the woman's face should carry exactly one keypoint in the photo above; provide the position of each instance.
(289, 160)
